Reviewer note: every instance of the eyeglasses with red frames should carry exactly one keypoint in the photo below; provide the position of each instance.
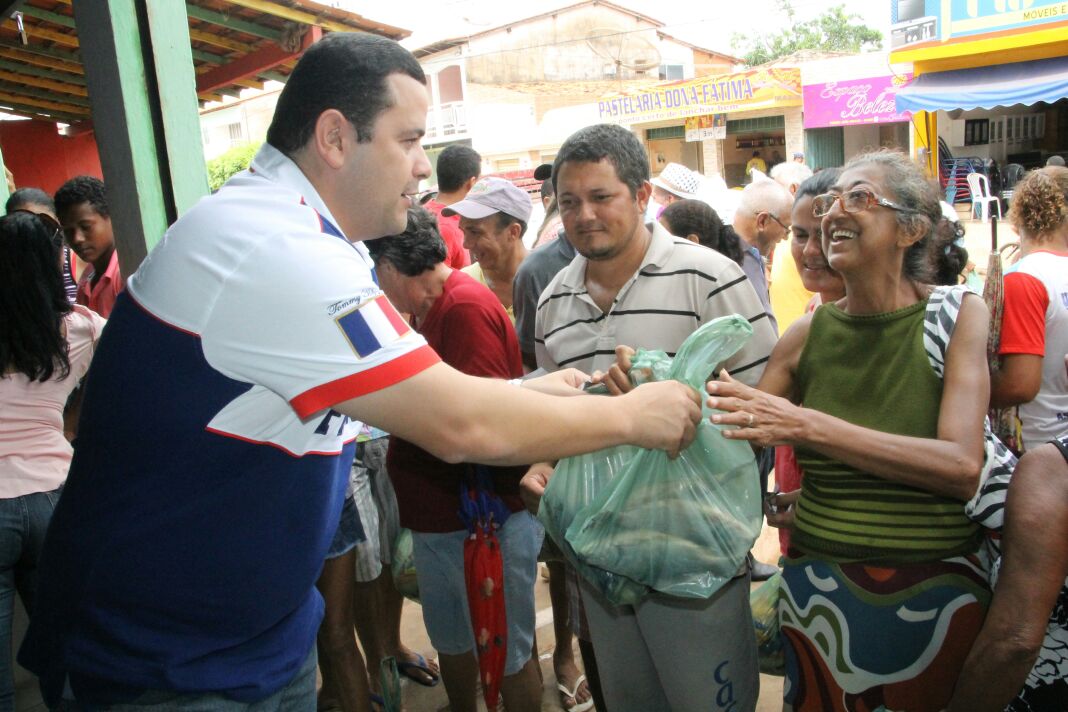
(853, 201)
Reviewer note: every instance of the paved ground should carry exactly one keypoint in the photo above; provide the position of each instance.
(422, 699)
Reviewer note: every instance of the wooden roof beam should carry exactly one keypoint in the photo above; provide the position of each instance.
(19, 78)
(27, 92)
(42, 33)
(55, 68)
(37, 72)
(21, 100)
(294, 15)
(61, 60)
(28, 112)
(252, 64)
(224, 42)
(232, 23)
(56, 18)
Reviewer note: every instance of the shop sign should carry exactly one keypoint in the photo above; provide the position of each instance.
(852, 102)
(921, 21)
(707, 126)
(721, 94)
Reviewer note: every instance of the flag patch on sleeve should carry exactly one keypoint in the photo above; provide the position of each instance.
(371, 325)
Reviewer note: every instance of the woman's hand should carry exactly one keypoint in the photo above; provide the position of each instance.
(779, 509)
(565, 382)
(532, 485)
(762, 419)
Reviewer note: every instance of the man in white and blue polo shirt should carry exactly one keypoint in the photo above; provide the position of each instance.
(225, 397)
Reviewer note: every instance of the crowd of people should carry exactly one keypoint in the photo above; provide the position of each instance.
(311, 366)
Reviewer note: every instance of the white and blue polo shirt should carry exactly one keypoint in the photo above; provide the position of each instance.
(209, 470)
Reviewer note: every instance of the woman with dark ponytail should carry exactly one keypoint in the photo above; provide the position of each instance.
(695, 220)
(45, 348)
(948, 252)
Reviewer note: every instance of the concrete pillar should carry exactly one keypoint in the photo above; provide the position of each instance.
(795, 132)
(712, 156)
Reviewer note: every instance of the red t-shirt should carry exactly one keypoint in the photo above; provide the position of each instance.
(1023, 323)
(469, 329)
(449, 227)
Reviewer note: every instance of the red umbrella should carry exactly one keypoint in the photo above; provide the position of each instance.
(484, 513)
(1003, 421)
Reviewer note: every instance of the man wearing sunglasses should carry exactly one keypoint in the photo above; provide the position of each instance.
(762, 221)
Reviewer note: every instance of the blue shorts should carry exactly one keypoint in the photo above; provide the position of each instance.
(349, 531)
(439, 567)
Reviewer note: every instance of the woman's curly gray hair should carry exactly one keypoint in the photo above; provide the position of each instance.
(910, 188)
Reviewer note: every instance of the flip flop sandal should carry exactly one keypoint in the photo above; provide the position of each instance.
(572, 693)
(405, 668)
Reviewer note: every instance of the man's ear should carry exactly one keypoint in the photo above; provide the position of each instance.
(513, 231)
(330, 140)
(643, 194)
(471, 183)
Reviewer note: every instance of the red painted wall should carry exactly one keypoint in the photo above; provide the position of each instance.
(41, 158)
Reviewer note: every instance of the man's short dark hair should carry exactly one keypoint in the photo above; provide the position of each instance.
(457, 165)
(82, 189)
(415, 250)
(504, 220)
(600, 141)
(547, 189)
(346, 71)
(25, 197)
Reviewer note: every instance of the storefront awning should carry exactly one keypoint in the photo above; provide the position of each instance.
(987, 87)
(764, 88)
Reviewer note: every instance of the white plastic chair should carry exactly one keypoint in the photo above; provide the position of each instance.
(980, 189)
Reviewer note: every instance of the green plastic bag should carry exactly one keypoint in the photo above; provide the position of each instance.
(682, 527)
(764, 603)
(574, 484)
(389, 675)
(403, 567)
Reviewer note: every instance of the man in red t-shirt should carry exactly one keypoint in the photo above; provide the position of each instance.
(458, 168)
(466, 325)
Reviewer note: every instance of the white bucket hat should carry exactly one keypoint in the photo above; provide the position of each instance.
(679, 180)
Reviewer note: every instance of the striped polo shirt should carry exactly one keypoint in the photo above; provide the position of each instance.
(679, 286)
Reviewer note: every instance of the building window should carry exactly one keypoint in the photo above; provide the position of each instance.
(665, 132)
(237, 136)
(671, 71)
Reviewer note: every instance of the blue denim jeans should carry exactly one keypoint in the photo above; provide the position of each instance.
(297, 696)
(23, 523)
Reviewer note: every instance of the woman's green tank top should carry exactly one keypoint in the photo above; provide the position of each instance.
(873, 371)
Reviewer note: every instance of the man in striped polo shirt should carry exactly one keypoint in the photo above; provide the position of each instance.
(634, 284)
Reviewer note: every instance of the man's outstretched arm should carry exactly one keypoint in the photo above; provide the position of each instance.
(460, 418)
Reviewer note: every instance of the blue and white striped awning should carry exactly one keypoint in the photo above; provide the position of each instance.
(987, 87)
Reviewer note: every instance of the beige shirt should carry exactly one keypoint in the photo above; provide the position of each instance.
(474, 270)
(679, 286)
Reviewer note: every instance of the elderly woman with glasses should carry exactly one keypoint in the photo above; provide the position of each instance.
(883, 592)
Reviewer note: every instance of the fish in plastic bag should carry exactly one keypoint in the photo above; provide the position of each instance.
(681, 527)
(574, 484)
(403, 568)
